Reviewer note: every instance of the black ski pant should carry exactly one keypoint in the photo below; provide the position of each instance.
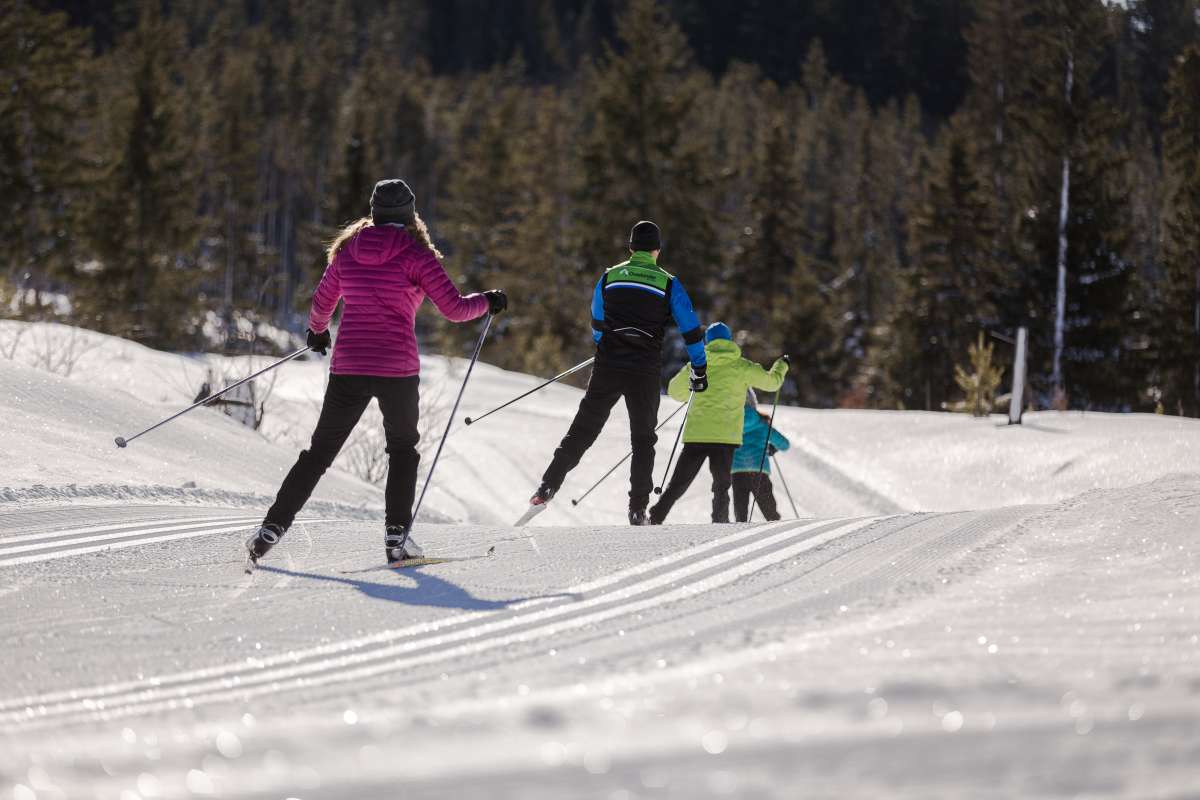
(691, 458)
(758, 484)
(605, 388)
(346, 398)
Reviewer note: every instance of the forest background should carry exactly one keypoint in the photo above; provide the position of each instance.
(865, 186)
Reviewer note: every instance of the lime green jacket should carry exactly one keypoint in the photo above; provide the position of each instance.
(716, 416)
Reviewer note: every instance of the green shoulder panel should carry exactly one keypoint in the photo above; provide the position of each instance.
(636, 273)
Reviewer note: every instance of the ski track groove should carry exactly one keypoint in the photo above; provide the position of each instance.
(613, 582)
(15, 551)
(612, 596)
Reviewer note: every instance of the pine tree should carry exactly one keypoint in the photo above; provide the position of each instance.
(949, 290)
(1177, 324)
(824, 135)
(44, 66)
(639, 157)
(1076, 278)
(141, 220)
(979, 386)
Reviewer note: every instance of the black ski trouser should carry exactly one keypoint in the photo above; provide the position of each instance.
(745, 483)
(346, 398)
(605, 388)
(691, 458)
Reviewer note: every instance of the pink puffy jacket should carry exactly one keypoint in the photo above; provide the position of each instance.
(383, 274)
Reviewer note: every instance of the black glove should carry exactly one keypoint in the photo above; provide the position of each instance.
(771, 450)
(319, 342)
(497, 300)
(699, 378)
(785, 358)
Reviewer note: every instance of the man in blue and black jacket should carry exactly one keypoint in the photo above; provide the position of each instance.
(631, 307)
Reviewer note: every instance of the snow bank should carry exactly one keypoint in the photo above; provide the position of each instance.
(842, 462)
(58, 444)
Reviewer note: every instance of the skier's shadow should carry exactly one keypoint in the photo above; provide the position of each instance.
(430, 590)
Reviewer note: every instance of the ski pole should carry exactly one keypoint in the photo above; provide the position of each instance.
(659, 489)
(623, 460)
(449, 422)
(538, 388)
(766, 445)
(786, 490)
(122, 441)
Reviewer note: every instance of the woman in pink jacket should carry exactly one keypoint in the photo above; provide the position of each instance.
(382, 267)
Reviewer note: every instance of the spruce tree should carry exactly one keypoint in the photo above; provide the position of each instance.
(1076, 277)
(640, 159)
(1176, 326)
(44, 67)
(948, 292)
(141, 220)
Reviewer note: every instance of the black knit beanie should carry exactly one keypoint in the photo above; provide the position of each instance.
(645, 236)
(393, 201)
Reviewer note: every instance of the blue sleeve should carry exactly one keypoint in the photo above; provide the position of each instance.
(598, 311)
(688, 322)
(780, 441)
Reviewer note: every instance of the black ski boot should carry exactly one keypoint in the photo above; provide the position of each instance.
(257, 545)
(398, 544)
(638, 517)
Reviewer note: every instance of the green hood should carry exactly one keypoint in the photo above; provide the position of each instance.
(716, 415)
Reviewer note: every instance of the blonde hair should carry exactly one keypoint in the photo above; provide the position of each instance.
(416, 229)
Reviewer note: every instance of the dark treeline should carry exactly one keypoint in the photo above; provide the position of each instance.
(863, 186)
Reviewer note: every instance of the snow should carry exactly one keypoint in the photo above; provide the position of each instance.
(966, 609)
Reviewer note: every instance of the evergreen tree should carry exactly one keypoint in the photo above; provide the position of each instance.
(43, 69)
(949, 290)
(140, 221)
(639, 157)
(1076, 280)
(823, 146)
(998, 40)
(1177, 324)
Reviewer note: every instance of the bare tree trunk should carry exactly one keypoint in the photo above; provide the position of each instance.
(1060, 298)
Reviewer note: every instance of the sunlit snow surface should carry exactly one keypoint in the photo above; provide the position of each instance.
(1042, 640)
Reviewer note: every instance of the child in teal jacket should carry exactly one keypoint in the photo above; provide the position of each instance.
(746, 476)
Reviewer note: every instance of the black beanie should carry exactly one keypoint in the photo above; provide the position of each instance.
(392, 201)
(645, 236)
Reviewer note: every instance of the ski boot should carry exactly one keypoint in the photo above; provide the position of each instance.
(638, 517)
(537, 504)
(399, 545)
(263, 540)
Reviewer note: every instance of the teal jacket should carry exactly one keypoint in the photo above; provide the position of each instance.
(754, 438)
(716, 415)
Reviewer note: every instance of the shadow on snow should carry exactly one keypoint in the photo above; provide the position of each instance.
(429, 590)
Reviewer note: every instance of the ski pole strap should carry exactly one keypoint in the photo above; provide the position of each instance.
(537, 388)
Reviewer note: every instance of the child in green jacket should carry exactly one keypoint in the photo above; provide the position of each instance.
(714, 425)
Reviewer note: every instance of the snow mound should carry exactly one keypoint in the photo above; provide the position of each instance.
(842, 462)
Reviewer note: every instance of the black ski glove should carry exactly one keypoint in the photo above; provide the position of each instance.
(771, 450)
(699, 378)
(497, 300)
(319, 342)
